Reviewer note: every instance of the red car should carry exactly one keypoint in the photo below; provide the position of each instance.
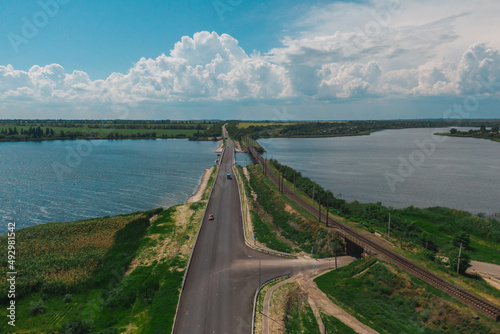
(210, 217)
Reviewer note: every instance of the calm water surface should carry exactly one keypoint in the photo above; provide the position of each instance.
(460, 173)
(68, 180)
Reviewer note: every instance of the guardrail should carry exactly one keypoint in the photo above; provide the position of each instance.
(257, 295)
(196, 240)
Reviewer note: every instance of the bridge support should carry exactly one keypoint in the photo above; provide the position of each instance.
(352, 249)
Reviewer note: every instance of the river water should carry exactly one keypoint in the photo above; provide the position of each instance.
(68, 180)
(399, 168)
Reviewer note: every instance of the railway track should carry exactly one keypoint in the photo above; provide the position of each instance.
(475, 302)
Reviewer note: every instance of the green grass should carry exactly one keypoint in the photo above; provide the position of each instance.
(391, 301)
(335, 326)
(306, 233)
(266, 235)
(210, 183)
(106, 299)
(58, 258)
(443, 223)
(299, 317)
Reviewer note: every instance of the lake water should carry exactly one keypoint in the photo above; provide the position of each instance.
(68, 180)
(399, 168)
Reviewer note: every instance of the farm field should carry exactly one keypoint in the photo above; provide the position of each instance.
(36, 130)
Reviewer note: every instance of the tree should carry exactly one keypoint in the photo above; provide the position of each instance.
(461, 238)
(453, 131)
(426, 240)
(76, 326)
(464, 261)
(336, 246)
(428, 254)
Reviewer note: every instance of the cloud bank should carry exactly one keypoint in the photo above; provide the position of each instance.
(344, 51)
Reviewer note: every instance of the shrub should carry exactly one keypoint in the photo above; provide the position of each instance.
(37, 307)
(68, 298)
(76, 326)
(428, 254)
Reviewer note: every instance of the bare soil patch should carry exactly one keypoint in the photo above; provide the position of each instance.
(201, 188)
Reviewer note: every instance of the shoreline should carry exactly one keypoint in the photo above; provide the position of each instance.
(220, 147)
(196, 197)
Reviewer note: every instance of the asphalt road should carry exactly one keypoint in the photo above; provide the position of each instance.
(224, 273)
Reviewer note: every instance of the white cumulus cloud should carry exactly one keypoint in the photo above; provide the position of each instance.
(340, 51)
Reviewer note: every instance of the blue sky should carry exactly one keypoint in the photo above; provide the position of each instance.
(102, 37)
(249, 59)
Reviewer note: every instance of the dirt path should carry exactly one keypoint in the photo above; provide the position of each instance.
(489, 271)
(316, 313)
(201, 188)
(272, 322)
(321, 300)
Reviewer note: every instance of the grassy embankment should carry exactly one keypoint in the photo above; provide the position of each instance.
(335, 326)
(280, 226)
(425, 234)
(392, 301)
(108, 275)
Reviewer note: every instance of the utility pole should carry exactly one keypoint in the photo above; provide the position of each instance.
(294, 179)
(313, 192)
(279, 180)
(459, 258)
(336, 251)
(389, 227)
(401, 240)
(319, 215)
(327, 211)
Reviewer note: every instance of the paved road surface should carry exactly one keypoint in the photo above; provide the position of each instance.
(224, 272)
